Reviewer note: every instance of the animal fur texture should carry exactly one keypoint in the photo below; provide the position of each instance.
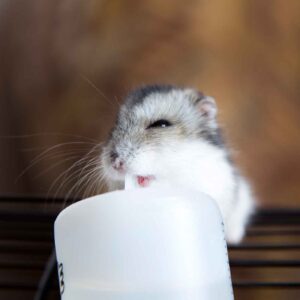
(172, 135)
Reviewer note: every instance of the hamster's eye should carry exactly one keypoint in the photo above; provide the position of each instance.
(160, 123)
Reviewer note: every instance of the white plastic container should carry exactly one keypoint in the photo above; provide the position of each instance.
(143, 244)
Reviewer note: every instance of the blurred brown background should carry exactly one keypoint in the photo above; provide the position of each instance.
(245, 53)
(64, 67)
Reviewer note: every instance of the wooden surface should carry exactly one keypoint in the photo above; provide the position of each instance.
(245, 53)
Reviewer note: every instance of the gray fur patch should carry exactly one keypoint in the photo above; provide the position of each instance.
(138, 96)
(214, 137)
(150, 103)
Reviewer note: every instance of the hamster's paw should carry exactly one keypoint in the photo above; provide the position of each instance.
(234, 234)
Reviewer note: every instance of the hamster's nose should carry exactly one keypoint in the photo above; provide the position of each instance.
(117, 163)
(113, 156)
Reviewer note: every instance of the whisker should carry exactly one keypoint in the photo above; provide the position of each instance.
(87, 173)
(24, 136)
(76, 173)
(84, 77)
(85, 183)
(99, 183)
(77, 185)
(86, 156)
(92, 186)
(55, 165)
(95, 176)
(43, 155)
(66, 177)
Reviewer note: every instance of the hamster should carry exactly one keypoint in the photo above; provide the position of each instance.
(171, 135)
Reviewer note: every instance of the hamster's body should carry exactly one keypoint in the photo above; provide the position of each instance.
(171, 134)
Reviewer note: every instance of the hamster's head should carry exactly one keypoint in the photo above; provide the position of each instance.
(154, 126)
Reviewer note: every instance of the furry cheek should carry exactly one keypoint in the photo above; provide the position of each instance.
(145, 162)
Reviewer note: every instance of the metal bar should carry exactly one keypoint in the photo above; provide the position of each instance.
(250, 247)
(37, 216)
(266, 223)
(24, 247)
(266, 284)
(45, 281)
(271, 232)
(276, 217)
(265, 263)
(24, 265)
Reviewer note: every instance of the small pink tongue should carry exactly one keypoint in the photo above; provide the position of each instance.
(144, 181)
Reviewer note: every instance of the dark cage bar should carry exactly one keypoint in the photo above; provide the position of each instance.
(266, 264)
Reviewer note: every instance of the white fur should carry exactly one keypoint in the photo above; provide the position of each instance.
(201, 166)
(178, 155)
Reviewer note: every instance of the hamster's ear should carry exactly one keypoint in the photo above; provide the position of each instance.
(207, 106)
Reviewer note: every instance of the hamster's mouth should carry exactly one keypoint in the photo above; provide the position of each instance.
(144, 181)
